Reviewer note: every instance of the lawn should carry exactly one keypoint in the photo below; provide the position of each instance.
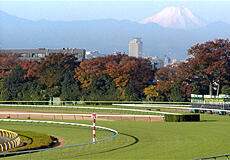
(138, 140)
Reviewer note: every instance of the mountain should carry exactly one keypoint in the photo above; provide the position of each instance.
(10, 19)
(105, 35)
(175, 17)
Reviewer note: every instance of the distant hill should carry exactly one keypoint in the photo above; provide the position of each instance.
(106, 36)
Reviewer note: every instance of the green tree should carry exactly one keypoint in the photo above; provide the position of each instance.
(71, 90)
(129, 93)
(225, 89)
(13, 85)
(33, 91)
(101, 88)
(176, 94)
(51, 71)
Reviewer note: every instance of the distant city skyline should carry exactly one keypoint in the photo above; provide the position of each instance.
(121, 10)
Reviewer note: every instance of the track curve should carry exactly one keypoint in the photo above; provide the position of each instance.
(115, 133)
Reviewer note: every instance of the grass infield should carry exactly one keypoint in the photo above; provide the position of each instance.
(137, 140)
(32, 140)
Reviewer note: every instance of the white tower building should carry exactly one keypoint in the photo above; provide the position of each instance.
(136, 47)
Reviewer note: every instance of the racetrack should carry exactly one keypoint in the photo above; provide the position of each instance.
(144, 140)
(138, 140)
(100, 117)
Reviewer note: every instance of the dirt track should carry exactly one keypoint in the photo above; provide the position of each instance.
(74, 117)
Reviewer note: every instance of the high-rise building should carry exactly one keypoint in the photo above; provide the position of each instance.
(136, 47)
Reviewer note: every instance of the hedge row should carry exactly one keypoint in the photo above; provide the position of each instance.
(182, 118)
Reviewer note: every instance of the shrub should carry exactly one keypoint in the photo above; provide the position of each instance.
(182, 118)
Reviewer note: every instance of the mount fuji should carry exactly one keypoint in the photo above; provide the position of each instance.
(175, 17)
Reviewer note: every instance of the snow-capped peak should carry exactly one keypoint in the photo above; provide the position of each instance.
(175, 17)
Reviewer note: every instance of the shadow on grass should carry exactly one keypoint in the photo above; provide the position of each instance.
(136, 140)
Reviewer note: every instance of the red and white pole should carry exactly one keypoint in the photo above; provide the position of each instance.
(94, 126)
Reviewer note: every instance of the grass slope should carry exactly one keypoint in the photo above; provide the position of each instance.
(33, 140)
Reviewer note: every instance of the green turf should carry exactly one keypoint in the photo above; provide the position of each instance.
(140, 140)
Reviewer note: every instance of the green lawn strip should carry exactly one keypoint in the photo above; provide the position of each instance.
(148, 140)
(163, 109)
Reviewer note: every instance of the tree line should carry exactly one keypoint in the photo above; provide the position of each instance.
(113, 77)
(117, 77)
(206, 72)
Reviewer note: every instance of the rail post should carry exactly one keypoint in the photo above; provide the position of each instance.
(94, 126)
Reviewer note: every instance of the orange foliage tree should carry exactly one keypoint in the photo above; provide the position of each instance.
(208, 66)
(30, 68)
(8, 61)
(125, 71)
(210, 62)
(50, 71)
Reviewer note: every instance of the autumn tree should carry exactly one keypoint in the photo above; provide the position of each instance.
(151, 92)
(126, 69)
(176, 83)
(51, 70)
(30, 68)
(208, 66)
(165, 81)
(130, 75)
(89, 69)
(210, 63)
(8, 61)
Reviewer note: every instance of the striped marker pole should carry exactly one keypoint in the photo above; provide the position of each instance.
(94, 125)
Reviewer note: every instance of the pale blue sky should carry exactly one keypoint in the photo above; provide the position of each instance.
(211, 10)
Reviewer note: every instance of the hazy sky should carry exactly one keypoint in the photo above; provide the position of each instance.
(132, 10)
